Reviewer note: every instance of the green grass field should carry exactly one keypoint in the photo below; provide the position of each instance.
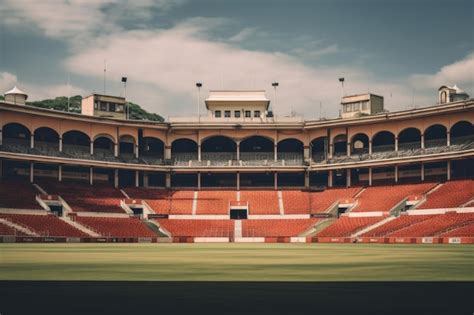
(236, 262)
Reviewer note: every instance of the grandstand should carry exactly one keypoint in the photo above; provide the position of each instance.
(250, 177)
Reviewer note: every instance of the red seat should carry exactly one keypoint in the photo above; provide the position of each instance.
(116, 227)
(346, 226)
(214, 201)
(261, 201)
(320, 201)
(198, 228)
(451, 194)
(276, 227)
(18, 194)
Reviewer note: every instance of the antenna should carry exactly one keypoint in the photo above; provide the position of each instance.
(68, 92)
(105, 70)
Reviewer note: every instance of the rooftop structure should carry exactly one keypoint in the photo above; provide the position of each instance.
(361, 104)
(449, 94)
(104, 106)
(16, 96)
(237, 104)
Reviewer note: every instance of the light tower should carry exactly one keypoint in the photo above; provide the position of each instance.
(275, 85)
(199, 85)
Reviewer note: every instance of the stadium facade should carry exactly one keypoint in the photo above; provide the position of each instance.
(240, 145)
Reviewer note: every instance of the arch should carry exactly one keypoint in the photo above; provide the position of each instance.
(218, 144)
(290, 145)
(16, 132)
(340, 144)
(126, 145)
(151, 146)
(383, 141)
(103, 142)
(184, 145)
(435, 135)
(360, 143)
(46, 134)
(319, 148)
(104, 135)
(76, 137)
(409, 135)
(257, 144)
(462, 129)
(127, 139)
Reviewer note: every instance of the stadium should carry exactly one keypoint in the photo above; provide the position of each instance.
(239, 173)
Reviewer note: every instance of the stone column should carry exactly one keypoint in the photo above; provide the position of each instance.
(137, 178)
(330, 178)
(168, 180)
(32, 141)
(92, 147)
(1, 137)
(91, 176)
(116, 178)
(396, 144)
(370, 176)
(306, 153)
(422, 141)
(238, 150)
(145, 179)
(32, 172)
(199, 180)
(370, 147)
(448, 138)
(61, 144)
(331, 150)
(396, 173)
(348, 149)
(448, 175)
(136, 151)
(306, 180)
(238, 181)
(422, 169)
(348, 177)
(116, 149)
(275, 180)
(199, 152)
(60, 173)
(275, 151)
(167, 152)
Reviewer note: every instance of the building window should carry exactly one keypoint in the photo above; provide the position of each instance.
(120, 108)
(112, 107)
(96, 105)
(444, 97)
(103, 106)
(248, 114)
(237, 114)
(365, 105)
(217, 114)
(356, 106)
(256, 114)
(227, 114)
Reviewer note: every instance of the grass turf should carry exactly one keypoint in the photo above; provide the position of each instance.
(237, 262)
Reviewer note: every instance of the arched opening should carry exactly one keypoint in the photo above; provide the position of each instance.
(152, 148)
(104, 147)
(340, 145)
(383, 141)
(219, 148)
(435, 136)
(256, 148)
(47, 140)
(462, 132)
(319, 149)
(360, 144)
(16, 137)
(291, 150)
(409, 139)
(127, 146)
(76, 143)
(184, 150)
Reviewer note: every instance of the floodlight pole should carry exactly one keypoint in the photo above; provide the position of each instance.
(199, 85)
(275, 85)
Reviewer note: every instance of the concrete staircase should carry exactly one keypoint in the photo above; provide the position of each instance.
(195, 201)
(79, 227)
(18, 227)
(373, 226)
(237, 228)
(280, 203)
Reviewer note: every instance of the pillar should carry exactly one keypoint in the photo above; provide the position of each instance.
(331, 150)
(275, 151)
(1, 137)
(370, 176)
(330, 178)
(60, 144)
(306, 153)
(422, 141)
(168, 180)
(238, 181)
(396, 173)
(370, 147)
(348, 177)
(422, 171)
(91, 175)
(348, 149)
(199, 180)
(199, 152)
(448, 168)
(275, 180)
(306, 180)
(238, 151)
(92, 147)
(1, 169)
(116, 149)
(60, 173)
(32, 141)
(137, 178)
(116, 178)
(136, 151)
(32, 172)
(448, 138)
(396, 144)
(167, 152)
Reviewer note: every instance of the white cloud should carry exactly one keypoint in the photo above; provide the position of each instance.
(460, 72)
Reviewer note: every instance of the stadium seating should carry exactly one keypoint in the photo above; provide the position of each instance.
(451, 194)
(276, 228)
(116, 227)
(7, 230)
(18, 194)
(436, 225)
(467, 231)
(321, 201)
(346, 226)
(83, 197)
(214, 201)
(261, 201)
(384, 198)
(198, 228)
(159, 200)
(45, 225)
(296, 202)
(397, 224)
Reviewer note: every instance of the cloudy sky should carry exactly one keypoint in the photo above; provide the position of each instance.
(403, 50)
